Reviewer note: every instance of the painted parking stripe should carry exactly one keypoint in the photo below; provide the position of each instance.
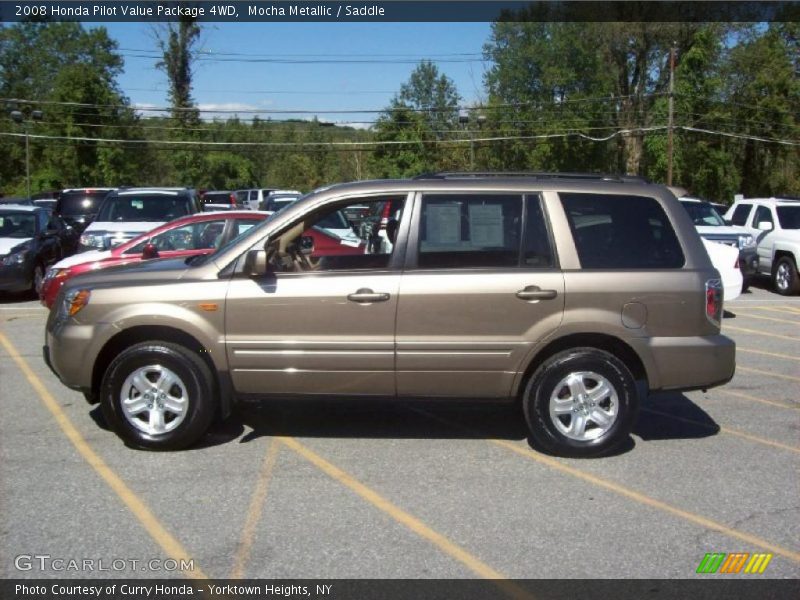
(728, 430)
(754, 398)
(727, 327)
(765, 353)
(171, 546)
(784, 310)
(254, 512)
(628, 492)
(767, 373)
(415, 525)
(763, 318)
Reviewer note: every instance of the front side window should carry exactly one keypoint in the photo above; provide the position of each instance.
(470, 230)
(330, 243)
(621, 232)
(763, 215)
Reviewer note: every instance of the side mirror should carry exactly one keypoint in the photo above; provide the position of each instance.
(255, 263)
(149, 251)
(306, 245)
(765, 226)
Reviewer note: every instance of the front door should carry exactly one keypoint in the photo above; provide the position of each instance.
(319, 326)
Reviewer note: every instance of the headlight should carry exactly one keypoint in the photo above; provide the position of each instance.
(75, 300)
(15, 259)
(89, 240)
(53, 273)
(746, 240)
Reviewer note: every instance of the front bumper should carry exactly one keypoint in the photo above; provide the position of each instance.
(688, 363)
(748, 261)
(16, 278)
(67, 351)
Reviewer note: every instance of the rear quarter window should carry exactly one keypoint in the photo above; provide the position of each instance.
(621, 232)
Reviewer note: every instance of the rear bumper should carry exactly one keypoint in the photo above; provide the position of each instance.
(688, 363)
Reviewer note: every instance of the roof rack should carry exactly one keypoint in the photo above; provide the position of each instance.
(532, 174)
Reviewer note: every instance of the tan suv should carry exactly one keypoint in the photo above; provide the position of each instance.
(564, 293)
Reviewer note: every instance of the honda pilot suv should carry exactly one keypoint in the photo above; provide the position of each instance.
(569, 295)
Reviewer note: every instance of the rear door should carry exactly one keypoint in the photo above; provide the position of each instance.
(480, 288)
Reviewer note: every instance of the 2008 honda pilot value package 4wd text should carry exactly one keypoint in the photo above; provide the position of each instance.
(565, 294)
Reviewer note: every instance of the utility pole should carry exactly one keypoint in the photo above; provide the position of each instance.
(19, 118)
(670, 126)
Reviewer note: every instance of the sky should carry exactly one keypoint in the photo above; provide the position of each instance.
(245, 82)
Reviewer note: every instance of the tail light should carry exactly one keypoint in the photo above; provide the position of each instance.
(233, 199)
(714, 301)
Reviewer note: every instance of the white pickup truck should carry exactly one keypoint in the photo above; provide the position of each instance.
(775, 223)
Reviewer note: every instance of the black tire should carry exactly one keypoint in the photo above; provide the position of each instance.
(745, 285)
(784, 276)
(37, 278)
(547, 380)
(192, 373)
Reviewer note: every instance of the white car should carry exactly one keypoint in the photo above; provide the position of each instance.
(128, 212)
(775, 223)
(726, 260)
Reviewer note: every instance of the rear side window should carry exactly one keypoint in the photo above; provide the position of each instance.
(480, 230)
(621, 232)
(741, 213)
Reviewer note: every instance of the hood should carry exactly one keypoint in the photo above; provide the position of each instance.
(148, 272)
(83, 257)
(124, 226)
(731, 230)
(7, 243)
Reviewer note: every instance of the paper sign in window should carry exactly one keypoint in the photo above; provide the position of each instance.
(486, 225)
(443, 224)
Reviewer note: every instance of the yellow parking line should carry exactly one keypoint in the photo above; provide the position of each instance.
(765, 353)
(785, 310)
(651, 502)
(768, 373)
(171, 546)
(418, 527)
(629, 493)
(254, 512)
(728, 430)
(764, 333)
(761, 318)
(755, 399)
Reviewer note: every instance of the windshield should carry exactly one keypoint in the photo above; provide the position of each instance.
(334, 220)
(702, 213)
(789, 217)
(80, 202)
(157, 208)
(17, 225)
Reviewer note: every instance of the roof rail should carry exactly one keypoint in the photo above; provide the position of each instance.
(532, 174)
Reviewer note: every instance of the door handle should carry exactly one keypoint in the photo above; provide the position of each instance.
(366, 295)
(534, 292)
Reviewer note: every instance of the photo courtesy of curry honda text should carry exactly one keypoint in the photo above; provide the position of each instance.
(571, 295)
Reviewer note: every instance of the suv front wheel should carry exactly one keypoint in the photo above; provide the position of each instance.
(785, 276)
(581, 402)
(158, 395)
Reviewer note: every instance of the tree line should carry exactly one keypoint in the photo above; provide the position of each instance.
(557, 97)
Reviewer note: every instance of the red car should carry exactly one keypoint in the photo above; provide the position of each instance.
(200, 233)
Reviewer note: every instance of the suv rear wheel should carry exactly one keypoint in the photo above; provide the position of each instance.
(158, 395)
(581, 402)
(785, 276)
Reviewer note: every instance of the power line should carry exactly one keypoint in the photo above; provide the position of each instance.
(366, 144)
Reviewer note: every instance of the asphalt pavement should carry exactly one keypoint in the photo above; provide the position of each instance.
(344, 490)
